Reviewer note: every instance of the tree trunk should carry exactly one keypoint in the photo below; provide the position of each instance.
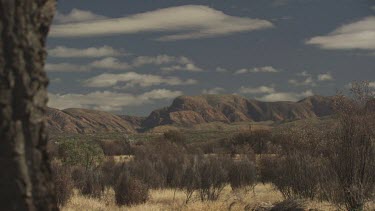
(25, 175)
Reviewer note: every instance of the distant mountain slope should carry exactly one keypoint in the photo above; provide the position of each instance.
(191, 110)
(188, 111)
(75, 120)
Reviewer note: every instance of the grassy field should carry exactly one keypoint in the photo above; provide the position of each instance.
(166, 199)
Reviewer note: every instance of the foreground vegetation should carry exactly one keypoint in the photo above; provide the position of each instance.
(263, 197)
(308, 166)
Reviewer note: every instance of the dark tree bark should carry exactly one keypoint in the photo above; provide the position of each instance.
(25, 175)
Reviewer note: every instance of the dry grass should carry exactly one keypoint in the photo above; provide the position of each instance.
(166, 199)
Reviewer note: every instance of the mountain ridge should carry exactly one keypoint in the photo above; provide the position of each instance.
(187, 111)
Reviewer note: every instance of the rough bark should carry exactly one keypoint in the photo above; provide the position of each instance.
(25, 175)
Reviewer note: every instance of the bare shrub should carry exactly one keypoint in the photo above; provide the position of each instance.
(242, 175)
(78, 175)
(110, 171)
(212, 177)
(258, 140)
(92, 183)
(63, 183)
(351, 150)
(89, 182)
(151, 173)
(130, 191)
(160, 162)
(189, 180)
(294, 175)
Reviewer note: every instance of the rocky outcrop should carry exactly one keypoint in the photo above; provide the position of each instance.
(191, 110)
(76, 120)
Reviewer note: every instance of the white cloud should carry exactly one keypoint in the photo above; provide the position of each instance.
(325, 77)
(256, 90)
(77, 15)
(92, 52)
(66, 67)
(356, 35)
(285, 96)
(213, 91)
(108, 101)
(132, 79)
(188, 22)
(265, 69)
(159, 60)
(221, 70)
(187, 67)
(183, 63)
(309, 81)
(110, 63)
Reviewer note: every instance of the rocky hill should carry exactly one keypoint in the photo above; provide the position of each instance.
(75, 120)
(188, 111)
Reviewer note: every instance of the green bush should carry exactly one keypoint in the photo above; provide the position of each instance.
(83, 153)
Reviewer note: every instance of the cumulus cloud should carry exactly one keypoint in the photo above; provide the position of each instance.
(159, 60)
(325, 77)
(186, 67)
(66, 67)
(108, 101)
(309, 81)
(182, 63)
(256, 90)
(213, 91)
(285, 96)
(112, 63)
(187, 22)
(265, 69)
(356, 35)
(92, 52)
(131, 79)
(77, 15)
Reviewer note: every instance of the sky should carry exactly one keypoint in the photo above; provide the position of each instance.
(131, 57)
